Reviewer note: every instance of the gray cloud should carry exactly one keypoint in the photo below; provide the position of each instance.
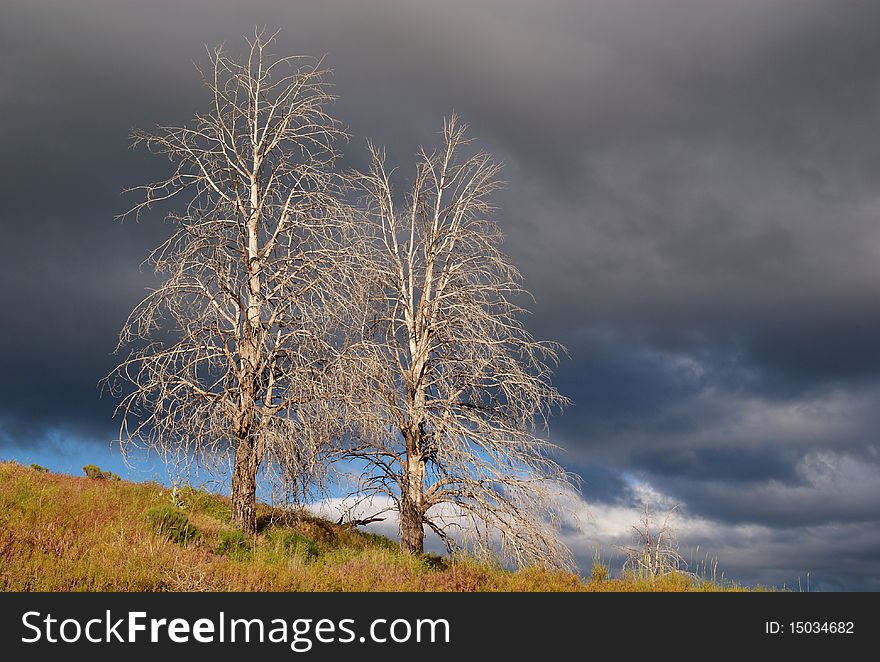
(692, 199)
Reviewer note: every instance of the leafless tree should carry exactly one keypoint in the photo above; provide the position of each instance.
(655, 552)
(229, 355)
(453, 390)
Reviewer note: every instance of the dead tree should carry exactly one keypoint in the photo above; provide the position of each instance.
(228, 356)
(453, 391)
(655, 553)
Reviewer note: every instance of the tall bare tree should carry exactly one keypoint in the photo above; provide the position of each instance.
(227, 356)
(454, 391)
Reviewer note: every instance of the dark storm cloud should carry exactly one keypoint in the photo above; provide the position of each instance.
(692, 199)
(602, 484)
(736, 466)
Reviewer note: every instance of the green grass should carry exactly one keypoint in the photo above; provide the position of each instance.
(173, 523)
(65, 533)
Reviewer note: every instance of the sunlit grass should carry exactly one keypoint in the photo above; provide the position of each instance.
(63, 533)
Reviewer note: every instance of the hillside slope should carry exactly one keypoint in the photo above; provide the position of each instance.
(63, 533)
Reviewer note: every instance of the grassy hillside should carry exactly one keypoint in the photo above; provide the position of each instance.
(63, 533)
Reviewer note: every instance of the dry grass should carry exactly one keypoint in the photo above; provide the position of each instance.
(62, 533)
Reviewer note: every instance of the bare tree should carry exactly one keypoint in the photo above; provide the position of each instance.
(453, 390)
(655, 552)
(229, 354)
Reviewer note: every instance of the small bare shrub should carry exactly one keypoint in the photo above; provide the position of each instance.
(655, 552)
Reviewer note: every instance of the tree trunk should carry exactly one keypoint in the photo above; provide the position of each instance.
(412, 510)
(244, 487)
(247, 457)
(412, 532)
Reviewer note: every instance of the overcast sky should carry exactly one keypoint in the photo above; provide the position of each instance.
(693, 197)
